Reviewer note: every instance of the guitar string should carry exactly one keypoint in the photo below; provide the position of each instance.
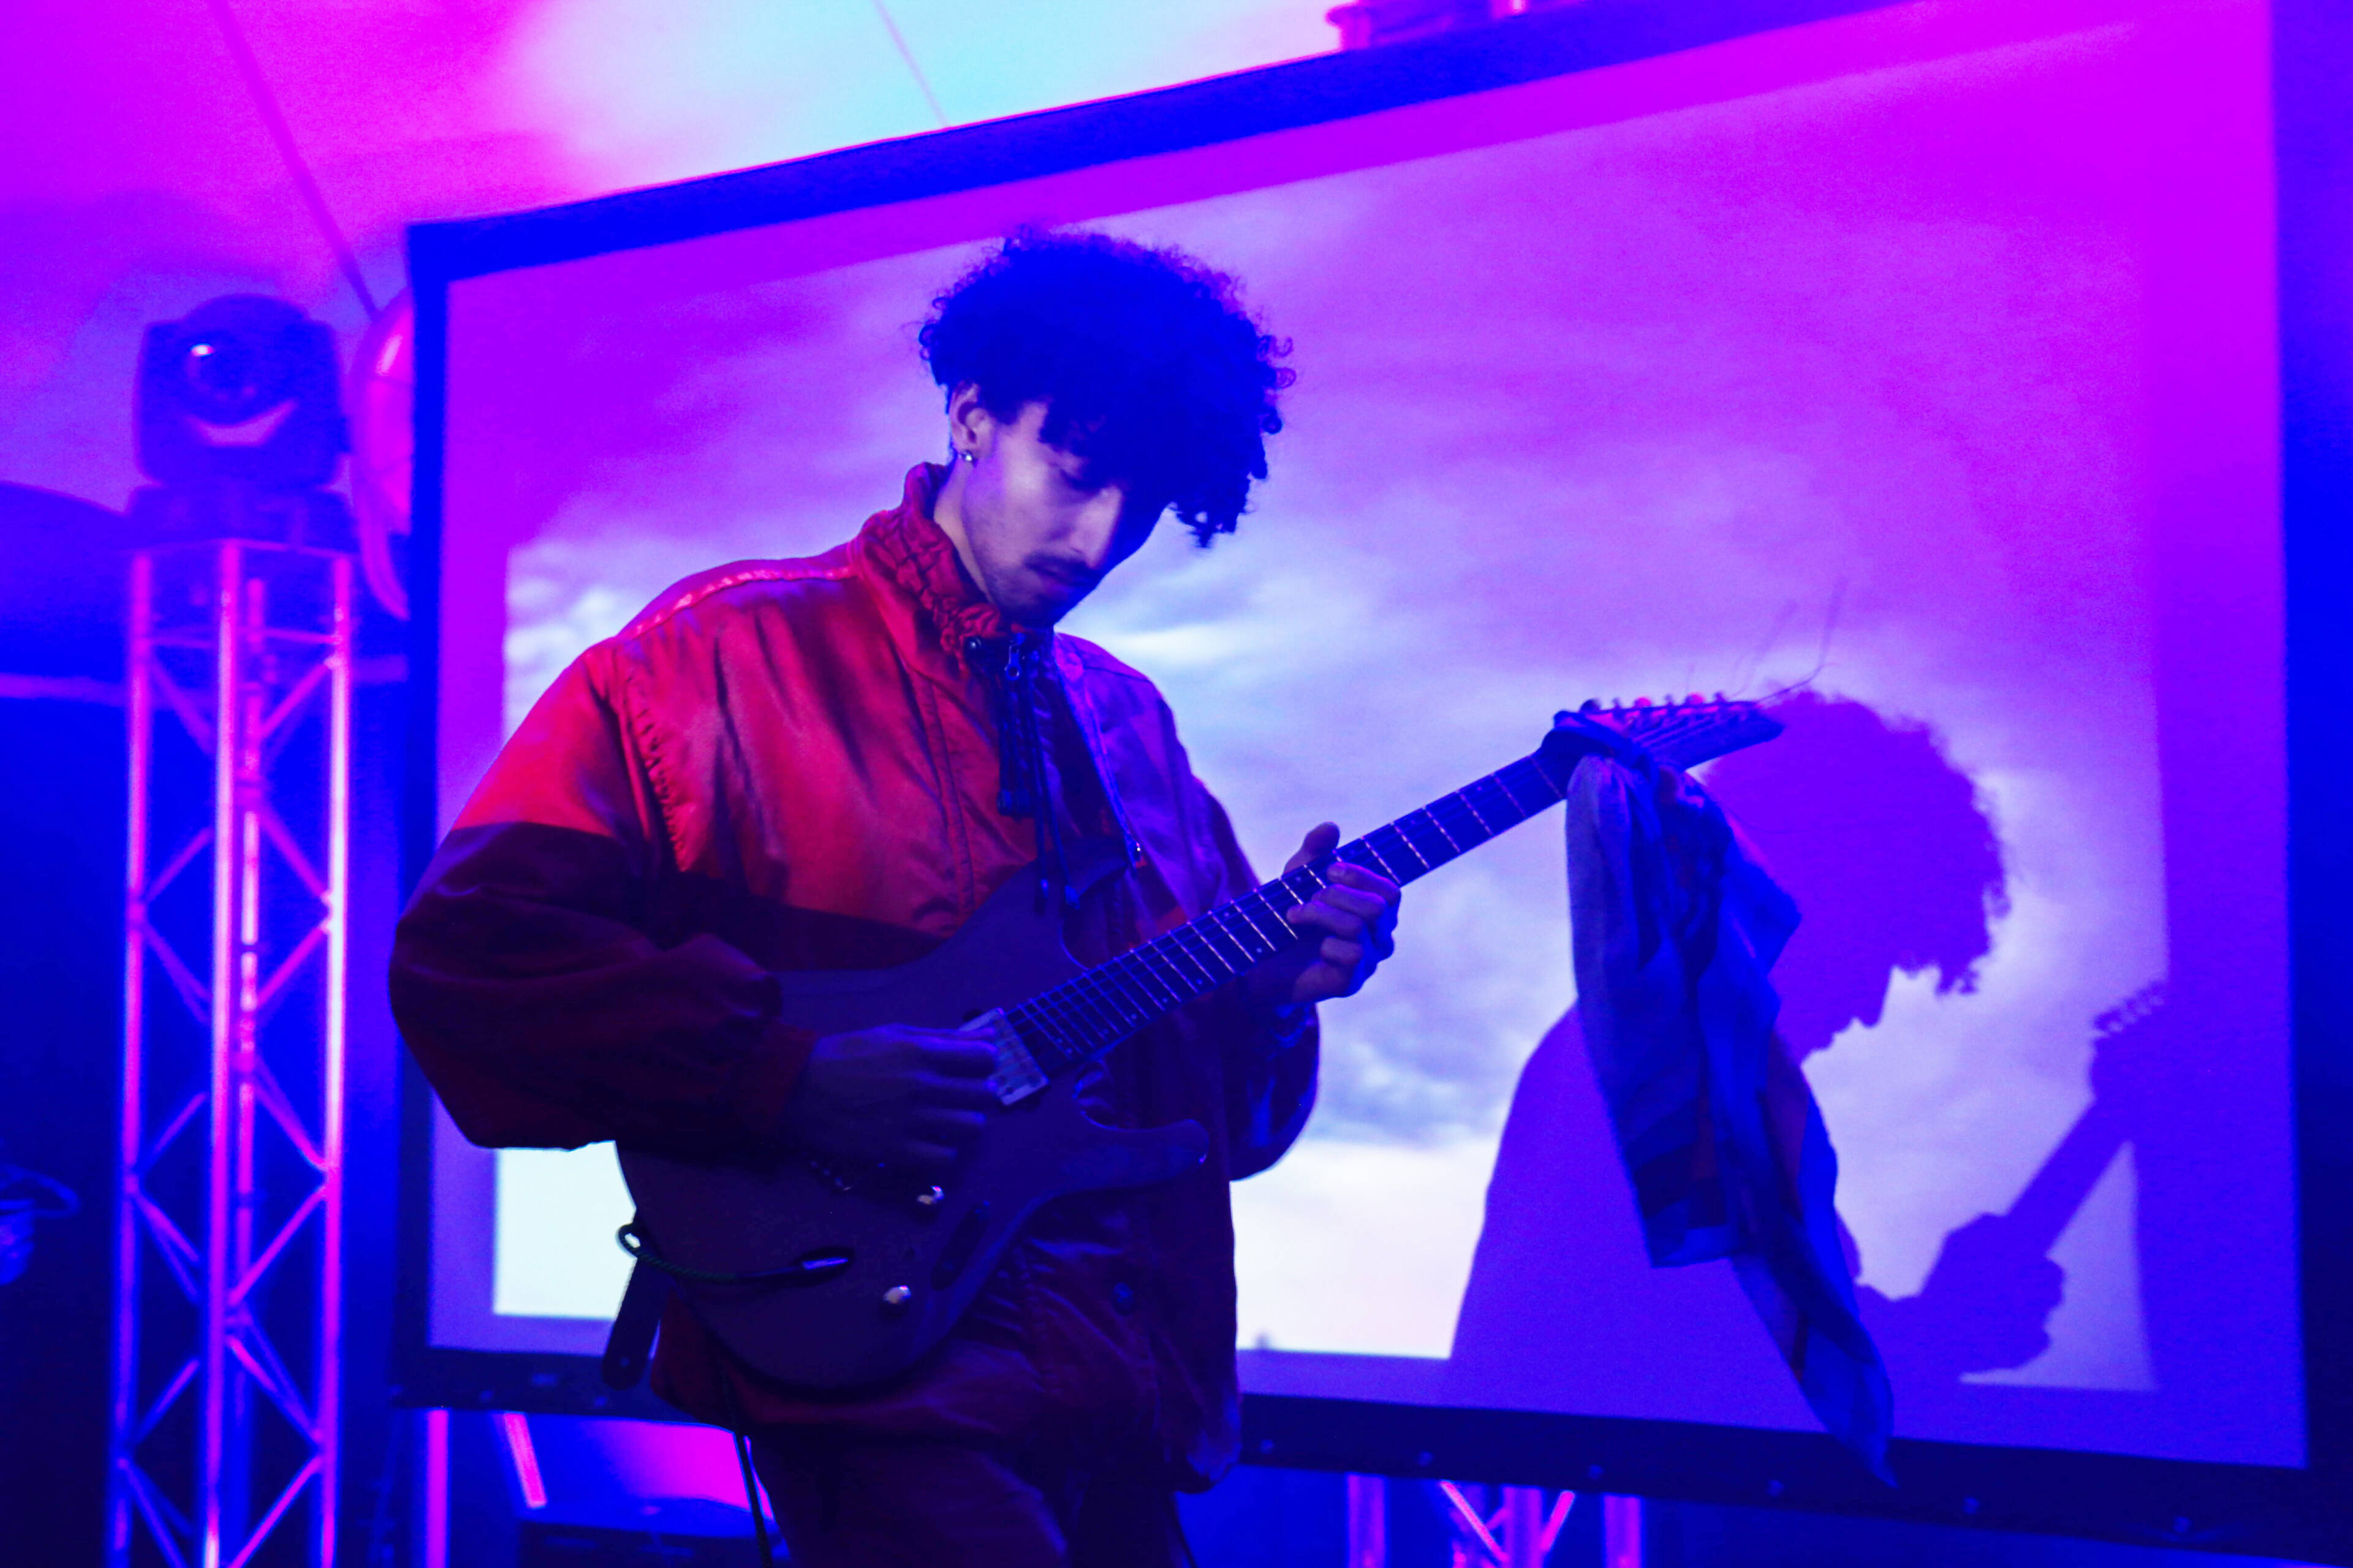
(1105, 1004)
(1095, 1010)
(1132, 1002)
(1113, 996)
(1251, 942)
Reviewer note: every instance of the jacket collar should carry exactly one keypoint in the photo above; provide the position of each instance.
(908, 550)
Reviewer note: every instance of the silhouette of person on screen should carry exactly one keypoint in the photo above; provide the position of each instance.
(1896, 867)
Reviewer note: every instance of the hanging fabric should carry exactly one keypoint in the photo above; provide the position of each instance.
(1674, 930)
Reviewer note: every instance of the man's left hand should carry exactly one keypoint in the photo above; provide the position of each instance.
(1356, 917)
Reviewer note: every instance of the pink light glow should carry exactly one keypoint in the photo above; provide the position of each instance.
(515, 1427)
(436, 1489)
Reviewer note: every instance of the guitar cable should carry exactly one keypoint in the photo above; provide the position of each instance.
(633, 1241)
(751, 1476)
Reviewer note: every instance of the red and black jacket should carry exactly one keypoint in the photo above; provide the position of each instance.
(791, 765)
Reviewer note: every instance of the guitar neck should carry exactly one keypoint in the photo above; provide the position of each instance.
(1086, 1015)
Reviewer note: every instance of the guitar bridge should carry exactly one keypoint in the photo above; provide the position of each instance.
(1017, 1074)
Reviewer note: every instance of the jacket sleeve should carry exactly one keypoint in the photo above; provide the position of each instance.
(1269, 1071)
(525, 981)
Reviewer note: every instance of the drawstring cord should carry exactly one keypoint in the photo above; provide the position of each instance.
(1023, 786)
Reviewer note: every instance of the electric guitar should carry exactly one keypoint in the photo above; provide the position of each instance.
(830, 1279)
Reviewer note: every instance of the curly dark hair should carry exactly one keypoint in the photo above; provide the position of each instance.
(1152, 371)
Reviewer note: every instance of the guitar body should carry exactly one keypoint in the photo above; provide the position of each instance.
(874, 1269)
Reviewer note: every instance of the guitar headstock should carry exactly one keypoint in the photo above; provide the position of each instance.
(1684, 733)
(2126, 1039)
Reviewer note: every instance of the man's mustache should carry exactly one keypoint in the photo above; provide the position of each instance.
(1062, 569)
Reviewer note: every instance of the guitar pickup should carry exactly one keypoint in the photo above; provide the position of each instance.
(1017, 1075)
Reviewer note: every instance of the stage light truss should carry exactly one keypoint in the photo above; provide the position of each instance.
(1518, 1534)
(1519, 1531)
(225, 1356)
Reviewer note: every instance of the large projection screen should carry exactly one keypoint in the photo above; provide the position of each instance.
(1919, 364)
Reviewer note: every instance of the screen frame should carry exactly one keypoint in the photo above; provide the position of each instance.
(2304, 1513)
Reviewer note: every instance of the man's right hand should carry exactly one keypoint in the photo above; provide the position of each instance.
(892, 1096)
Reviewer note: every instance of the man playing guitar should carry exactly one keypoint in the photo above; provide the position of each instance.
(830, 764)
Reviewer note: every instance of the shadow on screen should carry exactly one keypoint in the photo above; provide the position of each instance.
(1897, 869)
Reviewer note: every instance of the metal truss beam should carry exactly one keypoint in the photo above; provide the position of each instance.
(1518, 1531)
(227, 1358)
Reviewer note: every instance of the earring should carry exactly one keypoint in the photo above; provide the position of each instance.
(972, 458)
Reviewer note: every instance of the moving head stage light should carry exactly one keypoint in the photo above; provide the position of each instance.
(240, 424)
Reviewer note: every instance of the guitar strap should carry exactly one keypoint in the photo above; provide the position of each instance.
(629, 1348)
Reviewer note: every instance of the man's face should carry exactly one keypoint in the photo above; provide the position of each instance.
(1029, 524)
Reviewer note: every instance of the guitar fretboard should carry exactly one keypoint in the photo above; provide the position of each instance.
(1084, 1016)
